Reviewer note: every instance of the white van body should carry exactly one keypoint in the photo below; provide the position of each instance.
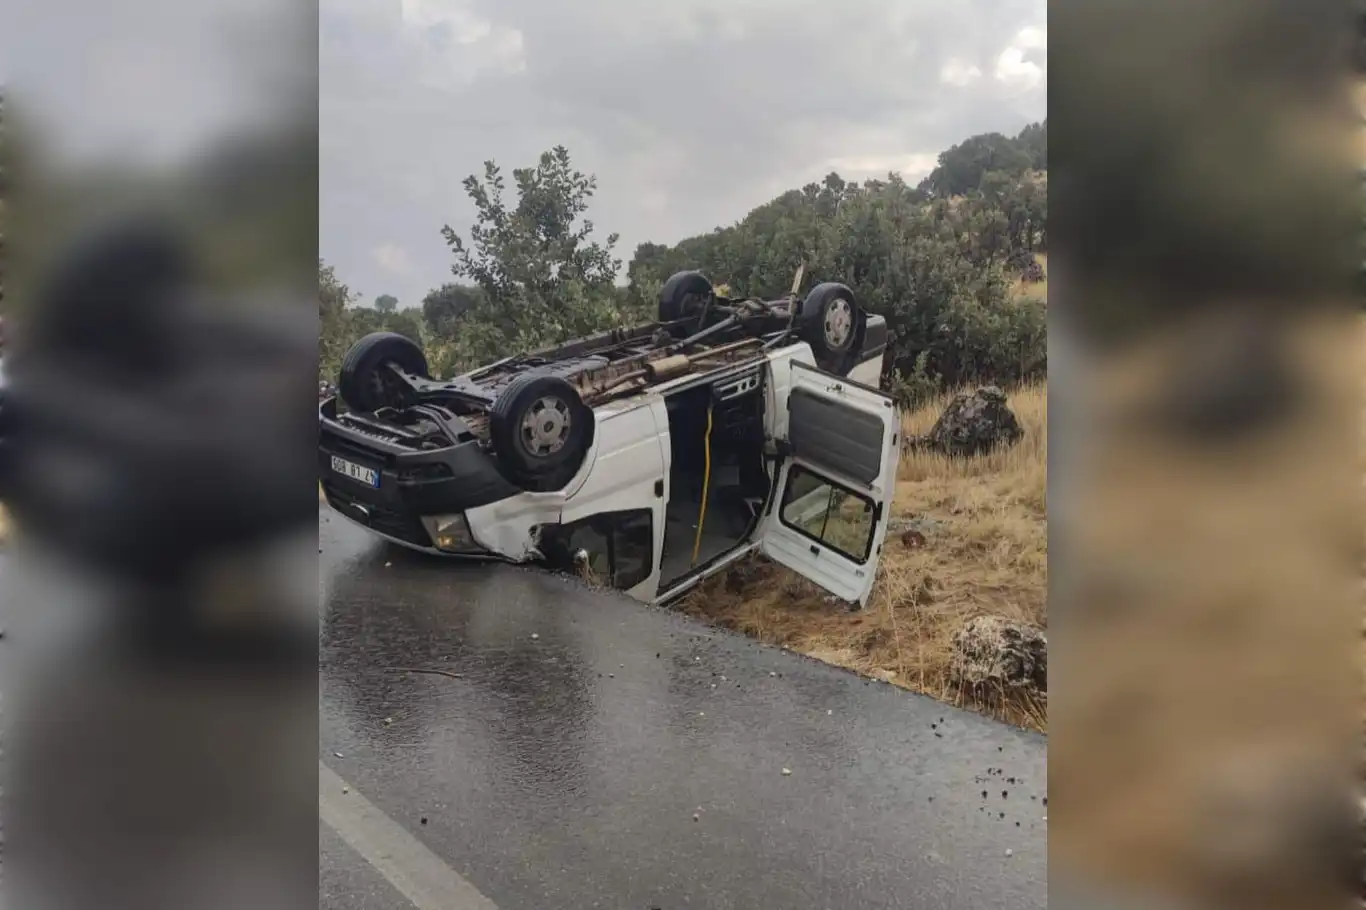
(828, 442)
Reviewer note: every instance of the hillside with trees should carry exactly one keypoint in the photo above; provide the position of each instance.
(951, 262)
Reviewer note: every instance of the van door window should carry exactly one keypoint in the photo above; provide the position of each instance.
(829, 514)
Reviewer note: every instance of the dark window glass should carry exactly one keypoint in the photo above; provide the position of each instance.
(618, 546)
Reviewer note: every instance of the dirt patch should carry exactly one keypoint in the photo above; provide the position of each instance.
(971, 540)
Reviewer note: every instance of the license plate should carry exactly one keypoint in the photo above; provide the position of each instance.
(355, 472)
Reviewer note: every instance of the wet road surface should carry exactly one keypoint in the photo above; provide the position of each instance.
(594, 752)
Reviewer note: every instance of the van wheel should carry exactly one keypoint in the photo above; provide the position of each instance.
(683, 294)
(831, 321)
(541, 431)
(366, 382)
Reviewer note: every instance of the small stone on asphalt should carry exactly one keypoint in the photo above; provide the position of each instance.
(786, 772)
(1010, 852)
(534, 636)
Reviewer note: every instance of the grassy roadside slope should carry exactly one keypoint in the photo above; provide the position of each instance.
(984, 527)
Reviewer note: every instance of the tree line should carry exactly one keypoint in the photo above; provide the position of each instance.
(950, 262)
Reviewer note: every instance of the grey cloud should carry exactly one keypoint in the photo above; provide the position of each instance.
(690, 113)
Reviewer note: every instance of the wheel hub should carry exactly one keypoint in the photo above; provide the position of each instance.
(839, 322)
(545, 428)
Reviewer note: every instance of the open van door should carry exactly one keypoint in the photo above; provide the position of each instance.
(835, 489)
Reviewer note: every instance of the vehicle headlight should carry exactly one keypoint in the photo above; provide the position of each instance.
(451, 533)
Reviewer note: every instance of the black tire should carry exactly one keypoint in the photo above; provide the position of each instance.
(365, 383)
(534, 455)
(831, 321)
(684, 294)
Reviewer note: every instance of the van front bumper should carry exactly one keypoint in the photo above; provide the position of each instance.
(411, 485)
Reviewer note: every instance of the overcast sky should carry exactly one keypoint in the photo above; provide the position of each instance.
(690, 112)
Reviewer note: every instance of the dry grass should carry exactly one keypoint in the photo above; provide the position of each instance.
(987, 553)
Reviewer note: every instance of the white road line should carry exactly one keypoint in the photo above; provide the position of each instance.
(418, 873)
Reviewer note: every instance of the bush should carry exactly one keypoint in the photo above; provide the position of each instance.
(916, 388)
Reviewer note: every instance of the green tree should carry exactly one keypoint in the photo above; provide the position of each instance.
(406, 322)
(386, 303)
(443, 307)
(961, 167)
(341, 322)
(333, 329)
(940, 269)
(1034, 140)
(542, 278)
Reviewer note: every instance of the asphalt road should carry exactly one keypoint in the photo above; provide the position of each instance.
(593, 752)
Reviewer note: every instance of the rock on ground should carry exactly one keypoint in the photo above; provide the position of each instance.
(922, 523)
(997, 651)
(973, 423)
(913, 530)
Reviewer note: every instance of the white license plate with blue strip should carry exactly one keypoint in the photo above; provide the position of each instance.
(356, 472)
